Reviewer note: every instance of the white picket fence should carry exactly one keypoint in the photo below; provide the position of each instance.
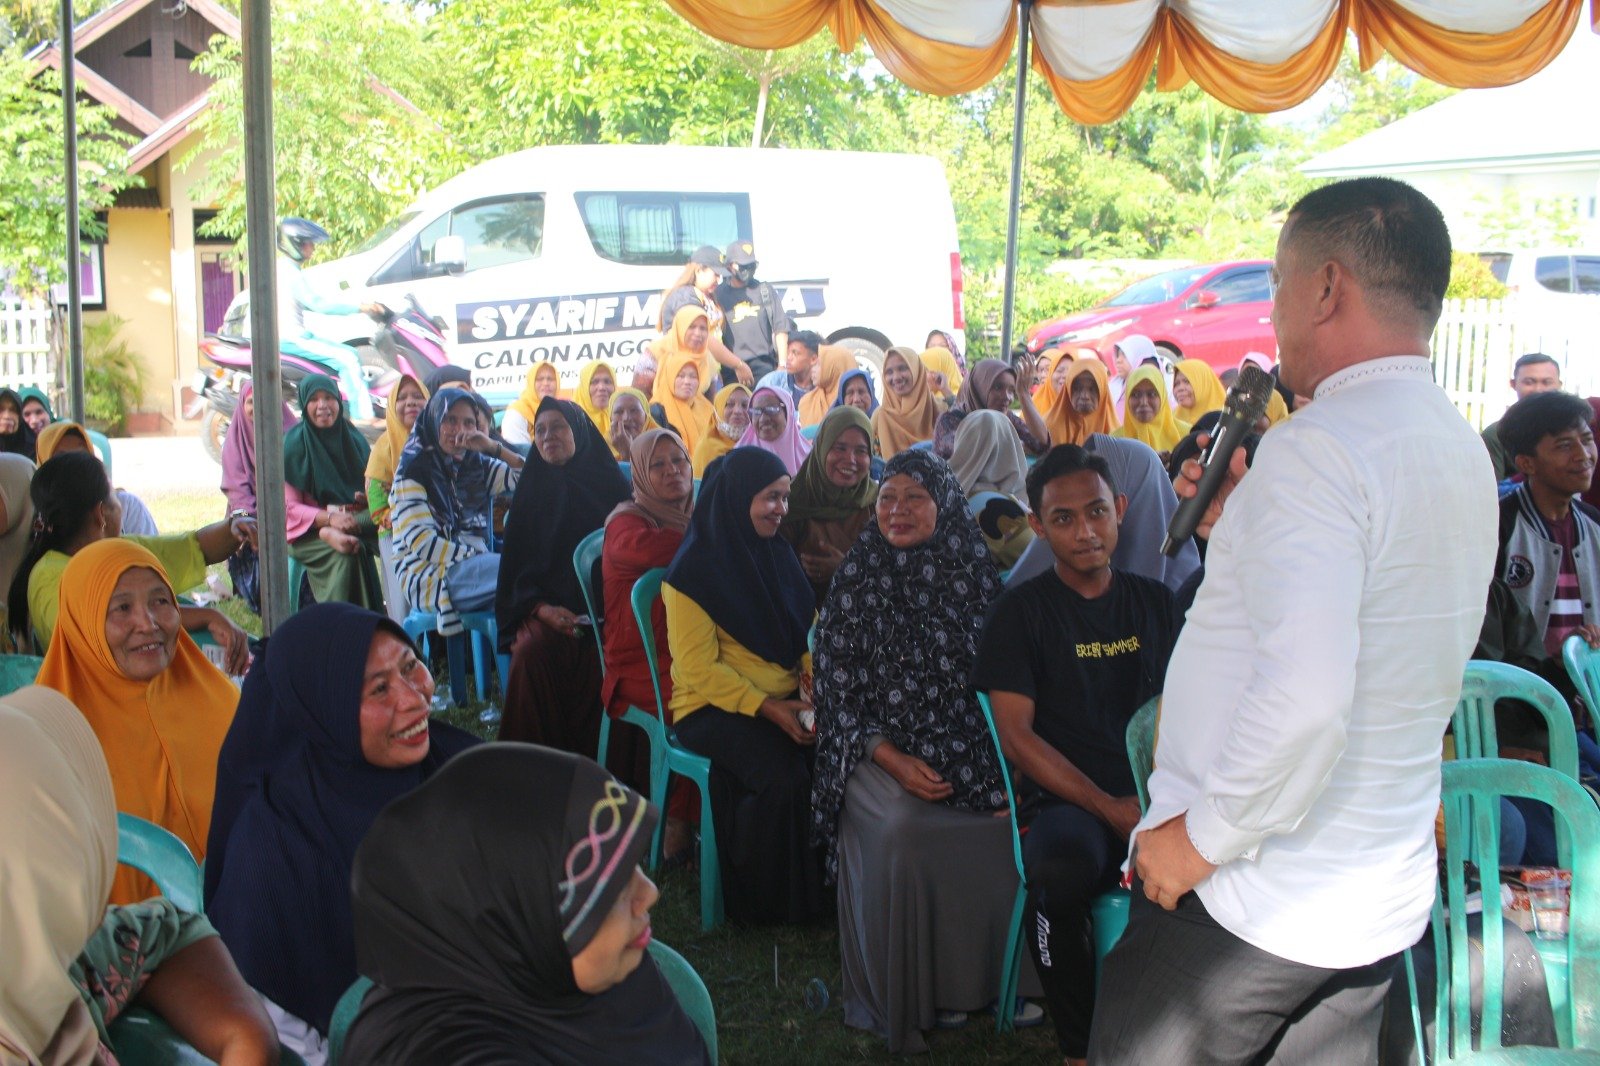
(25, 346)
(1477, 342)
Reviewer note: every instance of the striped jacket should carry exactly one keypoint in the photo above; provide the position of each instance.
(423, 556)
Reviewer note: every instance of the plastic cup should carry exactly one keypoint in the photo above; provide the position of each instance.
(1549, 905)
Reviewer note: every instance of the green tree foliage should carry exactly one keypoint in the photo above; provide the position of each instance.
(33, 221)
(1361, 101)
(352, 136)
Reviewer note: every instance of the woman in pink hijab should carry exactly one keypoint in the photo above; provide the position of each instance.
(774, 427)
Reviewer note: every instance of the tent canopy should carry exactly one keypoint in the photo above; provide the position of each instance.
(1253, 55)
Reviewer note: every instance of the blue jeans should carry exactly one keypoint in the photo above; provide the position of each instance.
(346, 364)
(472, 582)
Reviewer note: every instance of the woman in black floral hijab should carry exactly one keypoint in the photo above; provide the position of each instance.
(907, 784)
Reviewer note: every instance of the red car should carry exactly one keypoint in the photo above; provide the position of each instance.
(1216, 312)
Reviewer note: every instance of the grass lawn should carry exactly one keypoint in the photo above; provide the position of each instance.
(757, 977)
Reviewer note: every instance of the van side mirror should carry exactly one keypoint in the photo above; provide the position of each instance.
(450, 254)
(1203, 299)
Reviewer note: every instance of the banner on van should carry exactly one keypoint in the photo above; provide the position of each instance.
(499, 340)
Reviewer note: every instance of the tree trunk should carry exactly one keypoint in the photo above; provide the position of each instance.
(764, 80)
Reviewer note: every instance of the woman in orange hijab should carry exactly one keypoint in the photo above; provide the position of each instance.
(687, 411)
(1087, 391)
(1051, 374)
(833, 363)
(158, 707)
(908, 411)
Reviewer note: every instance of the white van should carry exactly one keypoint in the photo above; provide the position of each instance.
(567, 250)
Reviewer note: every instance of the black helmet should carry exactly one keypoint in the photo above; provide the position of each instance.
(293, 231)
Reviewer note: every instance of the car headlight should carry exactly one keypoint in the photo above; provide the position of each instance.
(1094, 333)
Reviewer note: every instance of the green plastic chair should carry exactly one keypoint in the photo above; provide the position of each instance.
(686, 985)
(1108, 914)
(141, 1037)
(1141, 742)
(1483, 685)
(1583, 667)
(162, 857)
(1476, 785)
(690, 990)
(18, 671)
(668, 756)
(344, 1015)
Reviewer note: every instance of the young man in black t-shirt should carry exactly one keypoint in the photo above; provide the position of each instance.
(1067, 658)
(754, 326)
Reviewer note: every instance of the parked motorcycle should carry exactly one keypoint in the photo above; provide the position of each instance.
(405, 342)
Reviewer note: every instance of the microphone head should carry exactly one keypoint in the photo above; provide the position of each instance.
(1251, 392)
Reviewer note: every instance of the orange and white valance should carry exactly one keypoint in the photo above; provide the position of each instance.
(1254, 55)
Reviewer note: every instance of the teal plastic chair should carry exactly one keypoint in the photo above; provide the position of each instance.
(810, 432)
(1141, 742)
(102, 448)
(686, 985)
(484, 633)
(690, 990)
(1108, 914)
(18, 671)
(1472, 789)
(669, 757)
(1583, 667)
(1486, 683)
(344, 1015)
(141, 1037)
(585, 557)
(627, 470)
(418, 624)
(162, 857)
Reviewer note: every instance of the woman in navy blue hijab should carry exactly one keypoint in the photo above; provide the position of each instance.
(332, 725)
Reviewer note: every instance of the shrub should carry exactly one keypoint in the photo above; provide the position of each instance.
(113, 376)
(1471, 279)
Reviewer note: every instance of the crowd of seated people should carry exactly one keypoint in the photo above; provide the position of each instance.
(931, 541)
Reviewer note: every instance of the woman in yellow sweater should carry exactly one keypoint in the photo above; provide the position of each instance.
(738, 610)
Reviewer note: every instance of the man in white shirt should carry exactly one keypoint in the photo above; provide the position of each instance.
(1288, 853)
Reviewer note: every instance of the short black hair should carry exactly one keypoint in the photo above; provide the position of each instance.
(1534, 359)
(1545, 414)
(808, 338)
(1060, 461)
(1391, 237)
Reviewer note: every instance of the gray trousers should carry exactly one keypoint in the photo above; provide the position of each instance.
(1179, 988)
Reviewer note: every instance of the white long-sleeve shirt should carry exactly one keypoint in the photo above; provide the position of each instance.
(1307, 697)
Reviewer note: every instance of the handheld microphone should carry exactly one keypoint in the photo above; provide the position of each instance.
(1245, 404)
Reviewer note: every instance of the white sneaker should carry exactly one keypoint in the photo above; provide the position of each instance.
(950, 1019)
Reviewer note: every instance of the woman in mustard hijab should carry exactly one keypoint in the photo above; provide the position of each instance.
(406, 402)
(909, 410)
(596, 384)
(1196, 390)
(517, 427)
(157, 705)
(678, 394)
(944, 373)
(732, 406)
(1148, 417)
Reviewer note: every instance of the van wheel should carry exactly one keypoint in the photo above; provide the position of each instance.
(868, 347)
(1169, 351)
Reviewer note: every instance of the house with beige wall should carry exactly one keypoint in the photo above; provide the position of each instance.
(153, 270)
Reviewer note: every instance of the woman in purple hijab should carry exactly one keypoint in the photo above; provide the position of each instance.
(239, 485)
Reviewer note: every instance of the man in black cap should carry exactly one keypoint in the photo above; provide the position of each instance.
(710, 268)
(756, 327)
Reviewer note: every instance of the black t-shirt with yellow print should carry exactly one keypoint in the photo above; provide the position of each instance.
(1088, 665)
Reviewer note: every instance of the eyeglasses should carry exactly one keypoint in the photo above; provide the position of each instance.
(769, 412)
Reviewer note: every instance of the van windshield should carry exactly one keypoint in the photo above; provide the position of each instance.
(1158, 289)
(385, 231)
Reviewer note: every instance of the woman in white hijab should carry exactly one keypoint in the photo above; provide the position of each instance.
(71, 966)
(1128, 355)
(988, 460)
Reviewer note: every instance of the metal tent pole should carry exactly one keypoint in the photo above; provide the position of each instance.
(1013, 218)
(261, 230)
(69, 129)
